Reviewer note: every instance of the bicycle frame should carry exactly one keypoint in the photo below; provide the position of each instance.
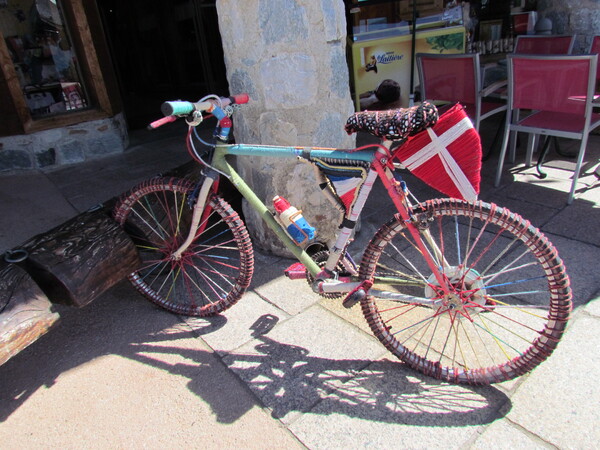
(380, 161)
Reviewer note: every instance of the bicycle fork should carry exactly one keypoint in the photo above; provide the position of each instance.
(199, 212)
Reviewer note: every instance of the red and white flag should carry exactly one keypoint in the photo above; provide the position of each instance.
(447, 156)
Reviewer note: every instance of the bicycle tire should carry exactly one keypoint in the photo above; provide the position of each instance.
(215, 270)
(510, 298)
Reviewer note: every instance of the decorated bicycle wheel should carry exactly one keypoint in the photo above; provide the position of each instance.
(211, 274)
(499, 308)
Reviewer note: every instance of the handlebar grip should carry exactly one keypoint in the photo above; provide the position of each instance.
(176, 108)
(161, 122)
(240, 99)
(183, 108)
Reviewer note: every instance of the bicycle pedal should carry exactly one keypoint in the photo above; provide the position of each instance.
(296, 271)
(354, 297)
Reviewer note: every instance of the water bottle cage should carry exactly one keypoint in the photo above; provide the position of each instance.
(293, 218)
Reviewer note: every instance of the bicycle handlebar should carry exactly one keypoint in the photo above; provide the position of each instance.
(183, 108)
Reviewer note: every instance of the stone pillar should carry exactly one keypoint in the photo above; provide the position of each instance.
(581, 18)
(289, 56)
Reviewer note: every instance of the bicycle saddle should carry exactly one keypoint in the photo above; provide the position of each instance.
(395, 124)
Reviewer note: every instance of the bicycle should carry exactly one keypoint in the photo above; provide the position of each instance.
(465, 292)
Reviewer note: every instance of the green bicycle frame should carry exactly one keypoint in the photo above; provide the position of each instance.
(220, 163)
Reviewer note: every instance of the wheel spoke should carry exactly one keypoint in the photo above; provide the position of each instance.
(496, 307)
(206, 278)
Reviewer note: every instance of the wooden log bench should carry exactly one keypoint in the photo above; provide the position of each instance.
(79, 260)
(71, 264)
(25, 311)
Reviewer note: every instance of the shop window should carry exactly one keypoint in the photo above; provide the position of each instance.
(43, 56)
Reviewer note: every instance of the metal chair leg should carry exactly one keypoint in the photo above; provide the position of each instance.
(540, 161)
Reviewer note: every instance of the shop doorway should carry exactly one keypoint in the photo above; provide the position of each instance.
(163, 50)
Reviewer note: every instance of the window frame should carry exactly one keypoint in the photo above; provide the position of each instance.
(83, 21)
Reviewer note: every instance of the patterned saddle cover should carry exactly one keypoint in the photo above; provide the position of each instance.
(395, 124)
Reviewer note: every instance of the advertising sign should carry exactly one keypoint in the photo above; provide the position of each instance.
(390, 58)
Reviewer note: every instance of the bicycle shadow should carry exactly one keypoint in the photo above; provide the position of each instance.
(289, 381)
(285, 378)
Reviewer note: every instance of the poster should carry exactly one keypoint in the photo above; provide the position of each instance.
(389, 58)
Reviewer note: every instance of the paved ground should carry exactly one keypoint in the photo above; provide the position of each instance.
(121, 373)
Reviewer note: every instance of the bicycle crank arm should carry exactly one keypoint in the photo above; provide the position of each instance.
(344, 287)
(403, 298)
(334, 286)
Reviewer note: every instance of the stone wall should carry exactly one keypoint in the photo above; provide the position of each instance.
(581, 18)
(290, 57)
(67, 145)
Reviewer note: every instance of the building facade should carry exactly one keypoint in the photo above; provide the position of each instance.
(76, 75)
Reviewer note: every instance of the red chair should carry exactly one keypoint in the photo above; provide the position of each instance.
(551, 96)
(595, 50)
(457, 78)
(544, 45)
(595, 47)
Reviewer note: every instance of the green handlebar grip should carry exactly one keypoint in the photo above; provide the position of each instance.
(176, 108)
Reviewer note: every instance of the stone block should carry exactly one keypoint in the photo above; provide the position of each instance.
(104, 145)
(14, 160)
(46, 158)
(283, 21)
(72, 152)
(289, 81)
(339, 77)
(334, 22)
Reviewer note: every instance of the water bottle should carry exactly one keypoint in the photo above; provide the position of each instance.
(293, 221)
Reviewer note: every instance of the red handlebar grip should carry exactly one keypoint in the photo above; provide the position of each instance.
(161, 122)
(240, 99)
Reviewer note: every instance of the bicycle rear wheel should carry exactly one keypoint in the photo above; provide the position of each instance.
(507, 304)
(215, 270)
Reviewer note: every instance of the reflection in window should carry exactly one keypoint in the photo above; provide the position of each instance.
(43, 56)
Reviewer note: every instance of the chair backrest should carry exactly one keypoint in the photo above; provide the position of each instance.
(452, 78)
(595, 50)
(544, 45)
(556, 83)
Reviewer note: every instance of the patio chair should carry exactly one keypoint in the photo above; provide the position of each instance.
(550, 95)
(457, 78)
(544, 44)
(595, 50)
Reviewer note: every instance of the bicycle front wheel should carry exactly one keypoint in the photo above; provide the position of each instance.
(214, 271)
(505, 303)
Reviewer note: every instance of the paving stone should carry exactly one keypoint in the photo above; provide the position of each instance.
(581, 262)
(31, 204)
(566, 223)
(561, 395)
(238, 324)
(291, 366)
(125, 374)
(502, 435)
(387, 404)
(593, 307)
(292, 296)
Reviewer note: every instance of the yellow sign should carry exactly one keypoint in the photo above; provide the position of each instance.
(376, 60)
